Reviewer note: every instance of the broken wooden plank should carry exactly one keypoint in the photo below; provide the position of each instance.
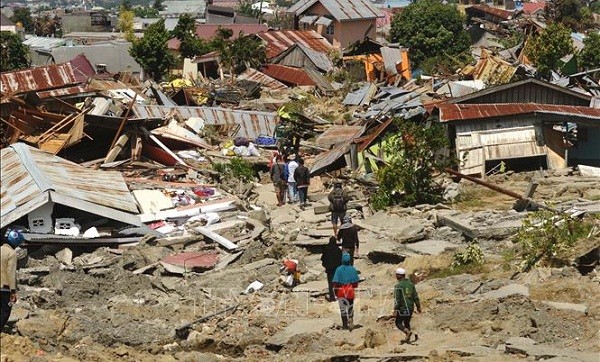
(123, 121)
(146, 268)
(227, 260)
(116, 149)
(216, 237)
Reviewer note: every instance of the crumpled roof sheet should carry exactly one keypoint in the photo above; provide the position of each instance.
(341, 9)
(252, 123)
(295, 76)
(37, 79)
(28, 172)
(361, 96)
(279, 40)
(336, 134)
(461, 112)
(499, 13)
(259, 77)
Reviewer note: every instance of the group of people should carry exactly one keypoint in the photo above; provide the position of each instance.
(290, 178)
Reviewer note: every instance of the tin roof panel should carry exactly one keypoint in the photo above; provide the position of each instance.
(37, 79)
(461, 112)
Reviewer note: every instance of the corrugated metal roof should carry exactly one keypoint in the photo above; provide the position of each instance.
(43, 42)
(499, 13)
(256, 76)
(337, 134)
(78, 89)
(37, 79)
(361, 96)
(288, 75)
(341, 10)
(460, 112)
(280, 40)
(252, 123)
(28, 173)
(300, 56)
(346, 137)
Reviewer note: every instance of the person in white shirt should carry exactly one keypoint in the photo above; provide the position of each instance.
(292, 165)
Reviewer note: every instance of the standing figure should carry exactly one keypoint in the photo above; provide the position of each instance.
(279, 180)
(292, 185)
(405, 299)
(331, 259)
(345, 280)
(348, 234)
(302, 177)
(338, 201)
(8, 274)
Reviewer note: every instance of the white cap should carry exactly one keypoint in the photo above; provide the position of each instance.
(400, 271)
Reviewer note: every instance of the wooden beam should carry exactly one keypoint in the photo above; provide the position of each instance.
(123, 121)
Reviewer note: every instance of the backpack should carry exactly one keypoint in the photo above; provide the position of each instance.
(338, 204)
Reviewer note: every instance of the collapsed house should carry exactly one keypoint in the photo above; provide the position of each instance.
(54, 196)
(527, 125)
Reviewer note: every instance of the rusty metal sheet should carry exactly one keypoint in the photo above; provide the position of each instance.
(252, 123)
(280, 40)
(256, 76)
(499, 13)
(68, 91)
(338, 134)
(289, 75)
(367, 140)
(28, 172)
(37, 79)
(460, 112)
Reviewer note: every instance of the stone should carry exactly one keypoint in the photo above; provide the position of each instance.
(310, 217)
(65, 256)
(507, 291)
(280, 218)
(260, 215)
(296, 328)
(385, 251)
(579, 308)
(431, 247)
(520, 341)
(374, 338)
(46, 325)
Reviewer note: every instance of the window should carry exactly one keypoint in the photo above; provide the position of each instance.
(330, 30)
(38, 222)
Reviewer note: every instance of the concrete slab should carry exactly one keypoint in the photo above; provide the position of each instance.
(310, 216)
(579, 308)
(281, 216)
(546, 352)
(507, 291)
(520, 341)
(431, 247)
(474, 351)
(299, 327)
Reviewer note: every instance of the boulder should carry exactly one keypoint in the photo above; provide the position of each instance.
(374, 338)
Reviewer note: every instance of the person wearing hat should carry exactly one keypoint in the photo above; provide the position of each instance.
(405, 299)
(291, 166)
(8, 274)
(348, 235)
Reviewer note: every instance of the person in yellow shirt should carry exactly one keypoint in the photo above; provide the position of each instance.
(8, 274)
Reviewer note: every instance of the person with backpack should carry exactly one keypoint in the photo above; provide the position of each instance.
(348, 235)
(302, 177)
(345, 281)
(331, 259)
(338, 200)
(279, 178)
(405, 299)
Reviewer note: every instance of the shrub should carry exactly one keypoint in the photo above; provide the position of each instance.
(237, 168)
(471, 255)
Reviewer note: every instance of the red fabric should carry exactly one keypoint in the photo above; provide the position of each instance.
(290, 265)
(345, 291)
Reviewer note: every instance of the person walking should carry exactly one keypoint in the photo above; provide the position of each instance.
(331, 259)
(348, 235)
(345, 281)
(277, 174)
(338, 201)
(405, 299)
(302, 177)
(8, 274)
(291, 181)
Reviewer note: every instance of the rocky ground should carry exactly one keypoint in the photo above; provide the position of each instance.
(105, 312)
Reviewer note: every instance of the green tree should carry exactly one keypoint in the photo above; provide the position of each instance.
(126, 23)
(570, 13)
(590, 54)
(158, 5)
(240, 53)
(13, 54)
(151, 51)
(408, 177)
(549, 46)
(23, 16)
(190, 45)
(430, 29)
(126, 4)
(245, 7)
(145, 13)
